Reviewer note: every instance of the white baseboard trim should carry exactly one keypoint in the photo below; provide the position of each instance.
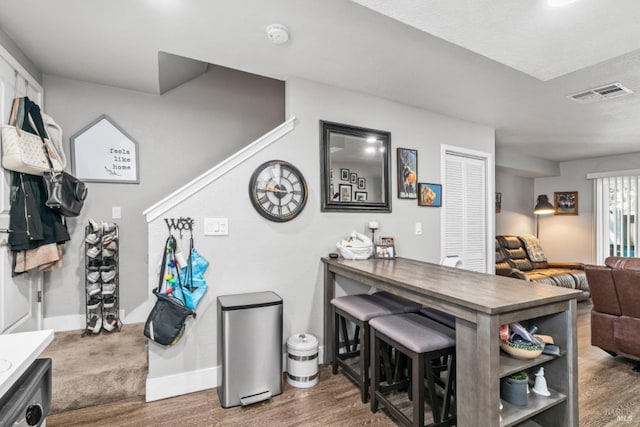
(72, 322)
(183, 383)
(192, 381)
(64, 323)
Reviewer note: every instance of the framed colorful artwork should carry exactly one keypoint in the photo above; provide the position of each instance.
(430, 194)
(407, 173)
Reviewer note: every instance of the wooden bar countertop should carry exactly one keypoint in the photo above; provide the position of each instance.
(486, 293)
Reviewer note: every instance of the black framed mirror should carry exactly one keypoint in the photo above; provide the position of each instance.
(355, 168)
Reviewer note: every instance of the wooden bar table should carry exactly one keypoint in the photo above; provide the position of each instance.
(481, 303)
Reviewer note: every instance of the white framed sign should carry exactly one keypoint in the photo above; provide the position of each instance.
(103, 152)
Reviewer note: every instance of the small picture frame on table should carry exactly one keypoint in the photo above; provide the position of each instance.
(384, 252)
(385, 248)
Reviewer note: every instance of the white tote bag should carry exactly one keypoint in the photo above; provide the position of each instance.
(25, 152)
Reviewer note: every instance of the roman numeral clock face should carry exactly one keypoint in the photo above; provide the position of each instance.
(278, 191)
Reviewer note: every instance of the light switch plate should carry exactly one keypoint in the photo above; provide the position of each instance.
(216, 226)
(116, 212)
(418, 228)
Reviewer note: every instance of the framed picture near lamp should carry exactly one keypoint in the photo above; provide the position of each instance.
(565, 202)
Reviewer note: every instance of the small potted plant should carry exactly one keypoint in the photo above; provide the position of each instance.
(514, 388)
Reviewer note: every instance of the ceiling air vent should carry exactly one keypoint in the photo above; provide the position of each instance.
(602, 93)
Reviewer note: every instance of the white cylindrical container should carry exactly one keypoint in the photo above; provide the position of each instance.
(302, 360)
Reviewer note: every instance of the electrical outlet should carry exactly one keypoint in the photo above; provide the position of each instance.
(116, 212)
(418, 228)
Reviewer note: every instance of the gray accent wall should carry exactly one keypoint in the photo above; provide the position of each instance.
(180, 135)
(518, 200)
(260, 255)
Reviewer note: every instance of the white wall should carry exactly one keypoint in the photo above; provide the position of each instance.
(570, 238)
(14, 50)
(180, 134)
(522, 165)
(285, 257)
(518, 200)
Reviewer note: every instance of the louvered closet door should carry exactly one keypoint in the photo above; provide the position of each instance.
(465, 219)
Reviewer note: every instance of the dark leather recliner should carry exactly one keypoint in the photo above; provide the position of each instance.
(615, 316)
(512, 260)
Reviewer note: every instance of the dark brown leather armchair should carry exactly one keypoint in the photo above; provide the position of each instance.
(615, 316)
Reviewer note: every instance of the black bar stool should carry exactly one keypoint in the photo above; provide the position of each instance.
(424, 342)
(359, 309)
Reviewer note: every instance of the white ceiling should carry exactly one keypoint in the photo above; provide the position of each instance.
(342, 43)
(532, 36)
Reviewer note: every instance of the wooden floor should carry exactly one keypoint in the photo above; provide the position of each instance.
(609, 396)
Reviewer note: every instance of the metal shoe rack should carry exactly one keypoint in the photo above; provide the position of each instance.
(102, 290)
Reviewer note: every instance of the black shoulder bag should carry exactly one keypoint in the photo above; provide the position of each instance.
(166, 322)
(65, 192)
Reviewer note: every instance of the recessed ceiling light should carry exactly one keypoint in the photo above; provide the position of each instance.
(372, 139)
(559, 3)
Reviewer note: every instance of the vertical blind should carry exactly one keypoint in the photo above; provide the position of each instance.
(616, 207)
(465, 211)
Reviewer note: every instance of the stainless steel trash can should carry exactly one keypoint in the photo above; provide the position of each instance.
(250, 344)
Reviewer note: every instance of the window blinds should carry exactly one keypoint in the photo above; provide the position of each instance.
(616, 208)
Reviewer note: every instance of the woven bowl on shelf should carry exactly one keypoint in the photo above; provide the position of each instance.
(520, 351)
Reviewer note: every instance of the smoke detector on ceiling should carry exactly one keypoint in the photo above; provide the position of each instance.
(602, 93)
(277, 33)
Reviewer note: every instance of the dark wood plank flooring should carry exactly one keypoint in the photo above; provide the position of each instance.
(609, 396)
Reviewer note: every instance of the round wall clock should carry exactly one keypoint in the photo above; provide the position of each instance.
(278, 190)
